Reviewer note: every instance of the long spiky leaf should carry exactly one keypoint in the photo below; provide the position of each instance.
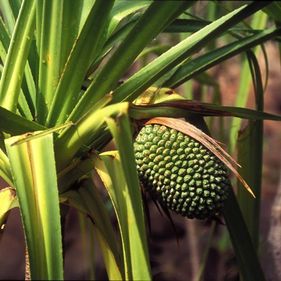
(34, 172)
(191, 68)
(87, 46)
(17, 55)
(155, 18)
(177, 54)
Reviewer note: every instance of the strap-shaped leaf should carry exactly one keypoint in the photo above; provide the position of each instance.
(27, 95)
(193, 67)
(34, 174)
(8, 14)
(50, 50)
(118, 173)
(250, 155)
(181, 108)
(121, 10)
(157, 16)
(85, 130)
(177, 54)
(14, 124)
(126, 201)
(87, 46)
(58, 24)
(247, 258)
(17, 55)
(259, 21)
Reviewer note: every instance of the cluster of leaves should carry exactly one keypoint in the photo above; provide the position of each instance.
(61, 102)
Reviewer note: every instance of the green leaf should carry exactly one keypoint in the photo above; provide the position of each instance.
(50, 50)
(121, 10)
(157, 16)
(17, 55)
(122, 19)
(59, 28)
(186, 25)
(259, 20)
(87, 200)
(74, 17)
(246, 255)
(8, 15)
(73, 172)
(193, 25)
(84, 130)
(8, 201)
(15, 7)
(27, 95)
(110, 170)
(5, 40)
(86, 48)
(250, 150)
(167, 61)
(193, 67)
(23, 107)
(128, 203)
(181, 108)
(34, 173)
(29, 91)
(14, 124)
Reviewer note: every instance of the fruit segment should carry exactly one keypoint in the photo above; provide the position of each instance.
(180, 173)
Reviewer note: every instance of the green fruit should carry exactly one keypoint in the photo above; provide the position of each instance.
(179, 172)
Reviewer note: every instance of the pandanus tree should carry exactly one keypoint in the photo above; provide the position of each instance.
(68, 87)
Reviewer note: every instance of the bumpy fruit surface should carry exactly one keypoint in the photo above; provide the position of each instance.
(179, 172)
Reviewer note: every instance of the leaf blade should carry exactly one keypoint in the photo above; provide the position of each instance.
(188, 70)
(154, 70)
(34, 172)
(85, 49)
(14, 124)
(181, 108)
(17, 55)
(137, 249)
(155, 18)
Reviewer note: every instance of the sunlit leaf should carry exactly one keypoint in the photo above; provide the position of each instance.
(86, 48)
(149, 74)
(129, 215)
(156, 17)
(34, 173)
(17, 55)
